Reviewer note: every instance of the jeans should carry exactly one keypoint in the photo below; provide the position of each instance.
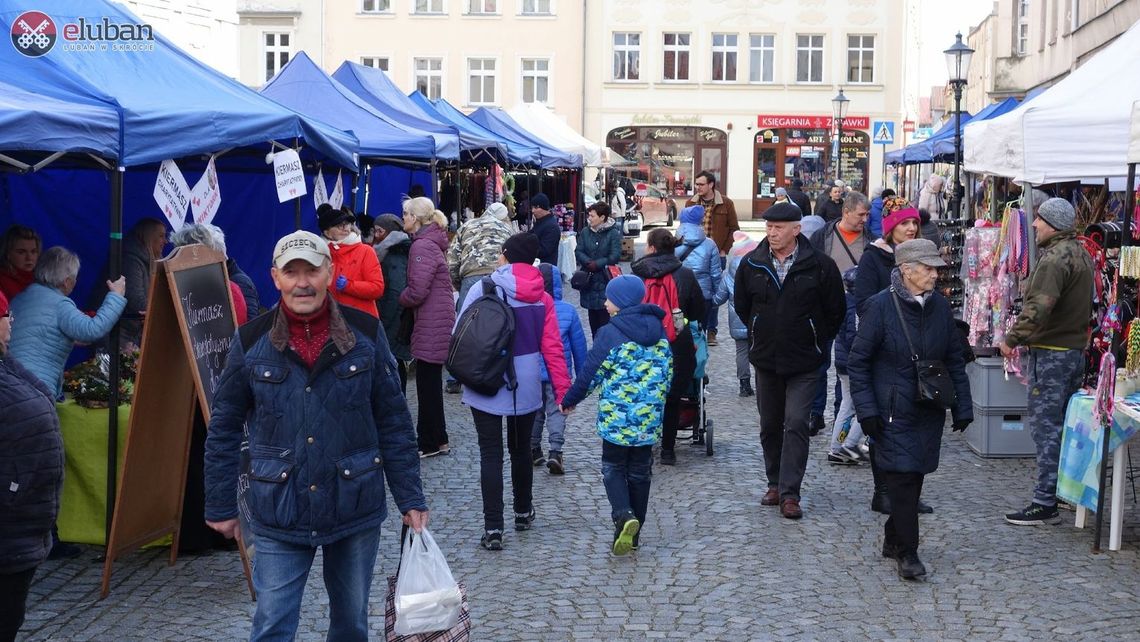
(490, 431)
(743, 367)
(431, 425)
(846, 414)
(627, 472)
(1054, 375)
(465, 286)
(901, 529)
(598, 318)
(784, 402)
(552, 418)
(279, 578)
(13, 602)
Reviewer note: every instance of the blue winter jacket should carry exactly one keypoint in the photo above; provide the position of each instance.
(569, 325)
(727, 289)
(846, 336)
(701, 256)
(321, 440)
(47, 326)
(875, 220)
(884, 380)
(631, 362)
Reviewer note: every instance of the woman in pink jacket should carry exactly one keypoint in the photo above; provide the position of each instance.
(429, 296)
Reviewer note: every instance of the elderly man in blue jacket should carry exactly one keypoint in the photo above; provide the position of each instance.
(319, 391)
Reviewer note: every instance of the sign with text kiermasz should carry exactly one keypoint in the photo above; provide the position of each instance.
(289, 175)
(206, 197)
(172, 194)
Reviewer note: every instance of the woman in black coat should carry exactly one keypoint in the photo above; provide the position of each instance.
(884, 381)
(659, 261)
(31, 478)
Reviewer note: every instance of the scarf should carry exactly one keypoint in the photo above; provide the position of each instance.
(308, 334)
(899, 288)
(393, 239)
(351, 239)
(607, 224)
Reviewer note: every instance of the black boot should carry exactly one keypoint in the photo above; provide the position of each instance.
(746, 388)
(880, 502)
(910, 567)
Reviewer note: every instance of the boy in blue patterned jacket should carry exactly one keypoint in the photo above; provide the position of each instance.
(631, 363)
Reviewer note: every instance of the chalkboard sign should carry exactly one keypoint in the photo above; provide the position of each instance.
(207, 320)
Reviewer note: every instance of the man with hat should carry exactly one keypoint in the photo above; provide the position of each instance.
(1053, 324)
(317, 388)
(545, 228)
(797, 196)
(791, 297)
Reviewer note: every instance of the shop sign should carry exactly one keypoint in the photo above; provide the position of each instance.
(710, 135)
(666, 119)
(289, 175)
(810, 122)
(791, 151)
(623, 133)
(668, 133)
(908, 126)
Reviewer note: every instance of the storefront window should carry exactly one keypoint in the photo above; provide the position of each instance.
(786, 154)
(667, 157)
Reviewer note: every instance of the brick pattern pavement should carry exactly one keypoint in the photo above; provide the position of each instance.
(714, 564)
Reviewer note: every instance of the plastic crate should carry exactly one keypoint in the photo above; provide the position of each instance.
(989, 388)
(1000, 433)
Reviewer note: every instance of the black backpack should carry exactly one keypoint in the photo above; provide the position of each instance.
(479, 355)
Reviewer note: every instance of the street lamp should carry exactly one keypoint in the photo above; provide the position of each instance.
(958, 64)
(839, 111)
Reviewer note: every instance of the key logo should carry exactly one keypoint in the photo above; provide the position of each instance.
(33, 34)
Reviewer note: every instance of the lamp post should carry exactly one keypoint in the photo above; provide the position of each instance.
(839, 112)
(958, 64)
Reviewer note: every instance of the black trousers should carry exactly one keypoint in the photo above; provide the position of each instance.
(489, 429)
(901, 529)
(784, 402)
(431, 426)
(13, 602)
(598, 318)
(670, 422)
(402, 368)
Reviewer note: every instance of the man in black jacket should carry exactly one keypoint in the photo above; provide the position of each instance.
(791, 297)
(545, 228)
(797, 196)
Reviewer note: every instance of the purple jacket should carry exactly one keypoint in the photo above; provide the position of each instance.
(429, 294)
(537, 342)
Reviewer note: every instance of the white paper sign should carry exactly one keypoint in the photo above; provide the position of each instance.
(320, 193)
(206, 197)
(336, 199)
(289, 175)
(172, 194)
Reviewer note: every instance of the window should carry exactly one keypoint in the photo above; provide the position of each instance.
(375, 6)
(861, 59)
(480, 81)
(627, 56)
(535, 80)
(536, 7)
(809, 58)
(762, 48)
(1022, 45)
(676, 56)
(276, 53)
(724, 57)
(429, 77)
(429, 6)
(376, 62)
(481, 7)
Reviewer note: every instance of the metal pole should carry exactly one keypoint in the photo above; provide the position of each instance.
(297, 201)
(839, 151)
(114, 271)
(956, 200)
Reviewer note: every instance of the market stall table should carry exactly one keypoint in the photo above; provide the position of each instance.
(567, 264)
(1081, 447)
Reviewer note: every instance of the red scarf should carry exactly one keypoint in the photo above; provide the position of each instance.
(13, 282)
(308, 334)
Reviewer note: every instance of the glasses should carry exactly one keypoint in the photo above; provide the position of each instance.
(700, 184)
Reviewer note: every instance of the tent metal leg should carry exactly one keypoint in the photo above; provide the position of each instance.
(115, 265)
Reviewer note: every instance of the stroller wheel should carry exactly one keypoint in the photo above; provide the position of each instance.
(708, 438)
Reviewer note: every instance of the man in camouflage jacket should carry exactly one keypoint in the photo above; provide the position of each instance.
(475, 250)
(1054, 325)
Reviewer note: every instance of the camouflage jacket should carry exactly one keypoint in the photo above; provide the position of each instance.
(1058, 299)
(476, 248)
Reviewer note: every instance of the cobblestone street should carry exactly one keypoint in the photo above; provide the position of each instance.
(714, 564)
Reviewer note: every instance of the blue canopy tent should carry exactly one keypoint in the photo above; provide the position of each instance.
(499, 122)
(923, 151)
(49, 127)
(519, 153)
(375, 88)
(395, 155)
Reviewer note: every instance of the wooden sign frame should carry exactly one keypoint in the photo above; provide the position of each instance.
(149, 498)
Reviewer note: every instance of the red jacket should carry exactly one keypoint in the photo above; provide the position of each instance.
(357, 262)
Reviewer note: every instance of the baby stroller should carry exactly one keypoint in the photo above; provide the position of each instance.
(692, 410)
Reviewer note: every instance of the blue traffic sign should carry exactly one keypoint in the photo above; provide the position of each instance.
(883, 132)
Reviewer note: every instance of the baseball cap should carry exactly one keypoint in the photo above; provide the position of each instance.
(301, 245)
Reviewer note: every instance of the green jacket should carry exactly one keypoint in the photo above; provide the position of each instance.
(1058, 300)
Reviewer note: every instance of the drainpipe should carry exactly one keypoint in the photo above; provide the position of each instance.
(585, 54)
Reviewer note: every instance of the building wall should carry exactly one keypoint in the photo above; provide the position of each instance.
(733, 107)
(205, 29)
(980, 79)
(299, 19)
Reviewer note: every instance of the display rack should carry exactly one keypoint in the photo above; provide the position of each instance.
(951, 240)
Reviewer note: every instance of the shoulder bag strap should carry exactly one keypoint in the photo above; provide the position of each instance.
(846, 249)
(902, 322)
(688, 250)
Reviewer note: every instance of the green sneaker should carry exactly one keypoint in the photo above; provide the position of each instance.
(624, 531)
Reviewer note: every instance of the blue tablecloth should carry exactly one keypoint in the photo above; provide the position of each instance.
(1078, 477)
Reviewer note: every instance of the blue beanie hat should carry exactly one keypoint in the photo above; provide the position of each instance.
(625, 290)
(693, 214)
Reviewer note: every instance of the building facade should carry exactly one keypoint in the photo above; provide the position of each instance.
(743, 89)
(205, 29)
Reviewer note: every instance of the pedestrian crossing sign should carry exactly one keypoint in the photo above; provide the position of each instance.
(884, 132)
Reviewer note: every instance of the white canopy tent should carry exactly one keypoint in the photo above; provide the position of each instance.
(541, 121)
(1077, 130)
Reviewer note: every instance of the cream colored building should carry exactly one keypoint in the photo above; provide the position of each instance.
(205, 29)
(1027, 45)
(743, 89)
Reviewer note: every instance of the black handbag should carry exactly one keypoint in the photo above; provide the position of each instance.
(935, 388)
(580, 280)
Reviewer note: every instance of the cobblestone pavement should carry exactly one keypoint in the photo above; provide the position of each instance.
(714, 564)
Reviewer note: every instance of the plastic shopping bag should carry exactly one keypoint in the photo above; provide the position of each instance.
(427, 596)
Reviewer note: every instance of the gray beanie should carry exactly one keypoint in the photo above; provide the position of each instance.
(1058, 213)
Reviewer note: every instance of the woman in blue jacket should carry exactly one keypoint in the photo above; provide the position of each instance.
(884, 382)
(700, 254)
